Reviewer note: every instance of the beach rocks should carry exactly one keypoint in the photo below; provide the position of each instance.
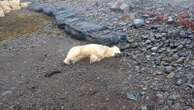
(138, 22)
(79, 28)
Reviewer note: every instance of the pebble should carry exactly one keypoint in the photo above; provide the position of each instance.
(168, 69)
(154, 48)
(179, 82)
(170, 19)
(132, 96)
(160, 98)
(143, 107)
(171, 75)
(138, 22)
(107, 99)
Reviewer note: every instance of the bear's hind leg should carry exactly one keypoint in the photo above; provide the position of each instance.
(93, 59)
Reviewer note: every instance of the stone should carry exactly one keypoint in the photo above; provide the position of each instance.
(14, 4)
(183, 34)
(190, 85)
(49, 10)
(179, 82)
(160, 98)
(116, 6)
(5, 6)
(2, 14)
(170, 19)
(111, 38)
(77, 34)
(37, 7)
(154, 48)
(64, 16)
(180, 60)
(168, 69)
(144, 108)
(89, 27)
(67, 23)
(62, 11)
(158, 72)
(132, 96)
(138, 22)
(60, 19)
(171, 75)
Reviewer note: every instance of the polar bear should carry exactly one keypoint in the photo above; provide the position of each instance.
(95, 52)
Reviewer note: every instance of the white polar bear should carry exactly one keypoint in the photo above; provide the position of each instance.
(95, 52)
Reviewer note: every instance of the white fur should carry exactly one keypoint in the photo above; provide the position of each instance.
(95, 52)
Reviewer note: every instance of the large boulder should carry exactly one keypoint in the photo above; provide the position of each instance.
(5, 6)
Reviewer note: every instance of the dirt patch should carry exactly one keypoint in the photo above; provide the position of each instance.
(21, 23)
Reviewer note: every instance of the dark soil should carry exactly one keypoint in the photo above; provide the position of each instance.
(26, 83)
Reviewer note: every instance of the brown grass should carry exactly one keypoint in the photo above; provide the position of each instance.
(17, 24)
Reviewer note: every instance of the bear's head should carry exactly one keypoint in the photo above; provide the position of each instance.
(115, 51)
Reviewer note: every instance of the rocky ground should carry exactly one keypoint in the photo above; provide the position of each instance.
(156, 73)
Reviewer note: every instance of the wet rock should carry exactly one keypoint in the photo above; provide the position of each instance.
(111, 38)
(64, 16)
(49, 10)
(79, 35)
(88, 27)
(138, 22)
(37, 7)
(61, 19)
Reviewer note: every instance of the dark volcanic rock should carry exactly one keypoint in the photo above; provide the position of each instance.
(79, 28)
